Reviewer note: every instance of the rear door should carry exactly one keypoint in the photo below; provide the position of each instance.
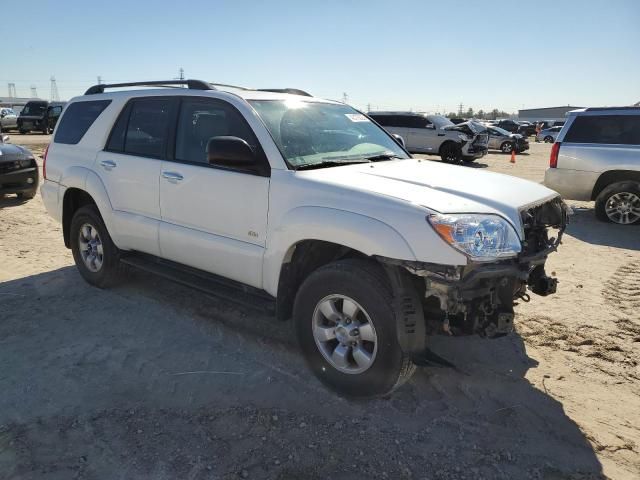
(395, 125)
(422, 134)
(214, 217)
(130, 165)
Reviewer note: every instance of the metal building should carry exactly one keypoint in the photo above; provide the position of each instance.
(549, 113)
(16, 103)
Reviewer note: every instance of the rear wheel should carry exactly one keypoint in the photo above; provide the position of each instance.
(548, 139)
(347, 331)
(450, 153)
(96, 256)
(619, 203)
(506, 147)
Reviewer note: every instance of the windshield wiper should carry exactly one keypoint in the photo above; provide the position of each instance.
(383, 156)
(328, 163)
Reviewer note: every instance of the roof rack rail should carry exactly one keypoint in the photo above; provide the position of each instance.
(292, 91)
(192, 84)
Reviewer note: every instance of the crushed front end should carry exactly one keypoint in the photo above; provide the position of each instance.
(478, 298)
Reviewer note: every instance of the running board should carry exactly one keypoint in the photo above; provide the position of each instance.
(206, 282)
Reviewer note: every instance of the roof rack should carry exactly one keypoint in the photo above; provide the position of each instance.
(192, 84)
(604, 109)
(292, 91)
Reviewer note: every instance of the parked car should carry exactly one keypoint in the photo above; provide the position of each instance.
(527, 129)
(304, 207)
(39, 115)
(508, 125)
(548, 135)
(596, 156)
(500, 139)
(8, 120)
(18, 170)
(437, 135)
(457, 120)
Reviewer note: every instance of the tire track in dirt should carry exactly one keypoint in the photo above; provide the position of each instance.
(622, 291)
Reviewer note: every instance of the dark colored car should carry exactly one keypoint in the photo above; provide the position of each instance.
(18, 171)
(527, 129)
(39, 115)
(508, 125)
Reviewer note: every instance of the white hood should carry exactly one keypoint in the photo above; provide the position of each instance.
(440, 187)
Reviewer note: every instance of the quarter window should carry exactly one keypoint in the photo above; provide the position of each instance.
(77, 120)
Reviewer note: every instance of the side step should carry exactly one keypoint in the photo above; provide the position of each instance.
(206, 282)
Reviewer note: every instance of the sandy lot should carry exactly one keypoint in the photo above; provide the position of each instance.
(152, 380)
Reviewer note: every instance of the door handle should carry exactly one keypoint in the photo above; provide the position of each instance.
(108, 164)
(172, 176)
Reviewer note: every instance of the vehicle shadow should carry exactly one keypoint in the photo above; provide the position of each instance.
(83, 366)
(474, 165)
(11, 201)
(584, 226)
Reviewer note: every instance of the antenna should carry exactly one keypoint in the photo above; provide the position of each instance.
(12, 90)
(34, 92)
(54, 90)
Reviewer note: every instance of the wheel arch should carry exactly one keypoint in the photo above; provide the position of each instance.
(613, 176)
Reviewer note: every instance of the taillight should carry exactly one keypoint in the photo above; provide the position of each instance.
(555, 151)
(44, 162)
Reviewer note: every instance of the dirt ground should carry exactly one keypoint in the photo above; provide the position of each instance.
(153, 380)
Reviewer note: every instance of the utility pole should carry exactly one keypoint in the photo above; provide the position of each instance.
(54, 90)
(460, 107)
(12, 90)
(34, 92)
(181, 73)
(368, 107)
(99, 80)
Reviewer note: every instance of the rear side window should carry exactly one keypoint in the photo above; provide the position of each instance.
(142, 128)
(77, 119)
(606, 129)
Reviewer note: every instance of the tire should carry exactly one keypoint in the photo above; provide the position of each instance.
(548, 139)
(506, 147)
(618, 198)
(361, 284)
(27, 195)
(108, 272)
(450, 152)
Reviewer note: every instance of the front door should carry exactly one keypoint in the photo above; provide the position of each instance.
(422, 134)
(214, 217)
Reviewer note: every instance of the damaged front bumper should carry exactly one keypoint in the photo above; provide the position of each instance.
(477, 298)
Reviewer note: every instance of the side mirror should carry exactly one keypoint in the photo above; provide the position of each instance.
(229, 152)
(399, 139)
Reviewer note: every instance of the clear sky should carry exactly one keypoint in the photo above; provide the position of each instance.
(424, 55)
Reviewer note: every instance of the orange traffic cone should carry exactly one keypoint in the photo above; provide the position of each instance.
(513, 156)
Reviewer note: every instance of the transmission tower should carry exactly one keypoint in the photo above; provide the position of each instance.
(99, 80)
(54, 90)
(460, 107)
(181, 74)
(34, 92)
(12, 90)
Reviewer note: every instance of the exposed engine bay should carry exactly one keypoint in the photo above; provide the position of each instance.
(479, 298)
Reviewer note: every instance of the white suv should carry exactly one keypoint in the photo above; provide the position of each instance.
(303, 206)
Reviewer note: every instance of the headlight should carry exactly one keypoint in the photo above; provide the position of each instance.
(482, 238)
(25, 163)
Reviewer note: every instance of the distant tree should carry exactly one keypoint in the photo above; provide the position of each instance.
(452, 115)
(480, 114)
(469, 113)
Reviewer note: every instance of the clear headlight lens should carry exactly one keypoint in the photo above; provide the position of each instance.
(482, 238)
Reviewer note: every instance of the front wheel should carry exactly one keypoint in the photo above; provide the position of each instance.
(548, 139)
(95, 254)
(619, 203)
(506, 147)
(347, 329)
(450, 153)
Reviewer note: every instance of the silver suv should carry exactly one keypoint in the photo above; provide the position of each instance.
(436, 134)
(597, 157)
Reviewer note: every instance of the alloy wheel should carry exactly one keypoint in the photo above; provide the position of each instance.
(90, 247)
(623, 208)
(344, 334)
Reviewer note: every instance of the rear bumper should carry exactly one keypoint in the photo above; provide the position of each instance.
(50, 197)
(571, 184)
(19, 181)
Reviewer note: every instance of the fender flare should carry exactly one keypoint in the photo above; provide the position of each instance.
(359, 232)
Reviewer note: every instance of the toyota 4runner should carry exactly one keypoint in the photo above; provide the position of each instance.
(303, 207)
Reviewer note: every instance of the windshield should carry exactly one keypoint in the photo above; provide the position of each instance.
(313, 133)
(439, 121)
(34, 109)
(501, 131)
